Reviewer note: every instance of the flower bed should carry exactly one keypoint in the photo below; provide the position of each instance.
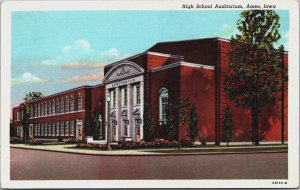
(156, 143)
(16, 140)
(92, 146)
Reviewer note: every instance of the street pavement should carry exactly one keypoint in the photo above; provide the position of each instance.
(46, 165)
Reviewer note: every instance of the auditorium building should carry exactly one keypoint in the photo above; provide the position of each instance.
(193, 69)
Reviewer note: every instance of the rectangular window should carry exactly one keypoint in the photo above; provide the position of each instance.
(79, 103)
(138, 130)
(57, 107)
(46, 129)
(35, 130)
(31, 111)
(39, 129)
(53, 107)
(46, 109)
(42, 109)
(38, 111)
(49, 129)
(114, 130)
(114, 99)
(125, 99)
(67, 128)
(42, 129)
(61, 128)
(49, 108)
(62, 107)
(53, 129)
(71, 104)
(35, 110)
(138, 95)
(164, 104)
(72, 128)
(125, 130)
(57, 128)
(67, 105)
(18, 116)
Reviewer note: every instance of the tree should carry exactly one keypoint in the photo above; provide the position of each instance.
(96, 127)
(92, 125)
(182, 112)
(176, 117)
(148, 123)
(170, 125)
(25, 109)
(227, 123)
(192, 131)
(255, 64)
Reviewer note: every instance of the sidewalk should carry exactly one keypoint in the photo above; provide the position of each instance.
(71, 148)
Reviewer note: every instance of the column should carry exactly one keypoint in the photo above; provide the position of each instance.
(106, 114)
(142, 109)
(129, 110)
(118, 113)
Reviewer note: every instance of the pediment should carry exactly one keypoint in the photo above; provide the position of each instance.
(122, 70)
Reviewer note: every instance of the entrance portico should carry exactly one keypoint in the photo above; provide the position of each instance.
(125, 85)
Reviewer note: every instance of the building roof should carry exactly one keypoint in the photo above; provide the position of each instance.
(201, 51)
(66, 91)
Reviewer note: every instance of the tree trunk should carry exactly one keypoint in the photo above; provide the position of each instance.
(255, 122)
(253, 128)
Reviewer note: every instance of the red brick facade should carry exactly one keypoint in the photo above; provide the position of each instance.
(193, 69)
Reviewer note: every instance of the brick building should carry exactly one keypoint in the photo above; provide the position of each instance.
(193, 69)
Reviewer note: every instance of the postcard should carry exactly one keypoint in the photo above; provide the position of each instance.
(149, 94)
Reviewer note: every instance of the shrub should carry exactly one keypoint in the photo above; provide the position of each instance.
(35, 142)
(16, 140)
(71, 141)
(187, 143)
(202, 139)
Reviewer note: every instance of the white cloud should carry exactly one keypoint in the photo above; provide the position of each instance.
(27, 77)
(81, 45)
(111, 55)
(81, 55)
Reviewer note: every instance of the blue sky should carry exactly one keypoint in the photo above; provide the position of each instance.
(55, 51)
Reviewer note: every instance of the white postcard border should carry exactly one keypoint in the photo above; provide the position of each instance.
(293, 96)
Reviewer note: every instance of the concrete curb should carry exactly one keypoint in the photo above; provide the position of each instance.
(148, 154)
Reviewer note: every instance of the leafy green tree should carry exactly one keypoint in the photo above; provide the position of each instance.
(148, 123)
(255, 64)
(25, 109)
(177, 115)
(227, 123)
(170, 125)
(182, 108)
(88, 127)
(92, 125)
(192, 131)
(97, 123)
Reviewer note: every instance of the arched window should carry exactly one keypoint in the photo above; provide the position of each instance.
(163, 103)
